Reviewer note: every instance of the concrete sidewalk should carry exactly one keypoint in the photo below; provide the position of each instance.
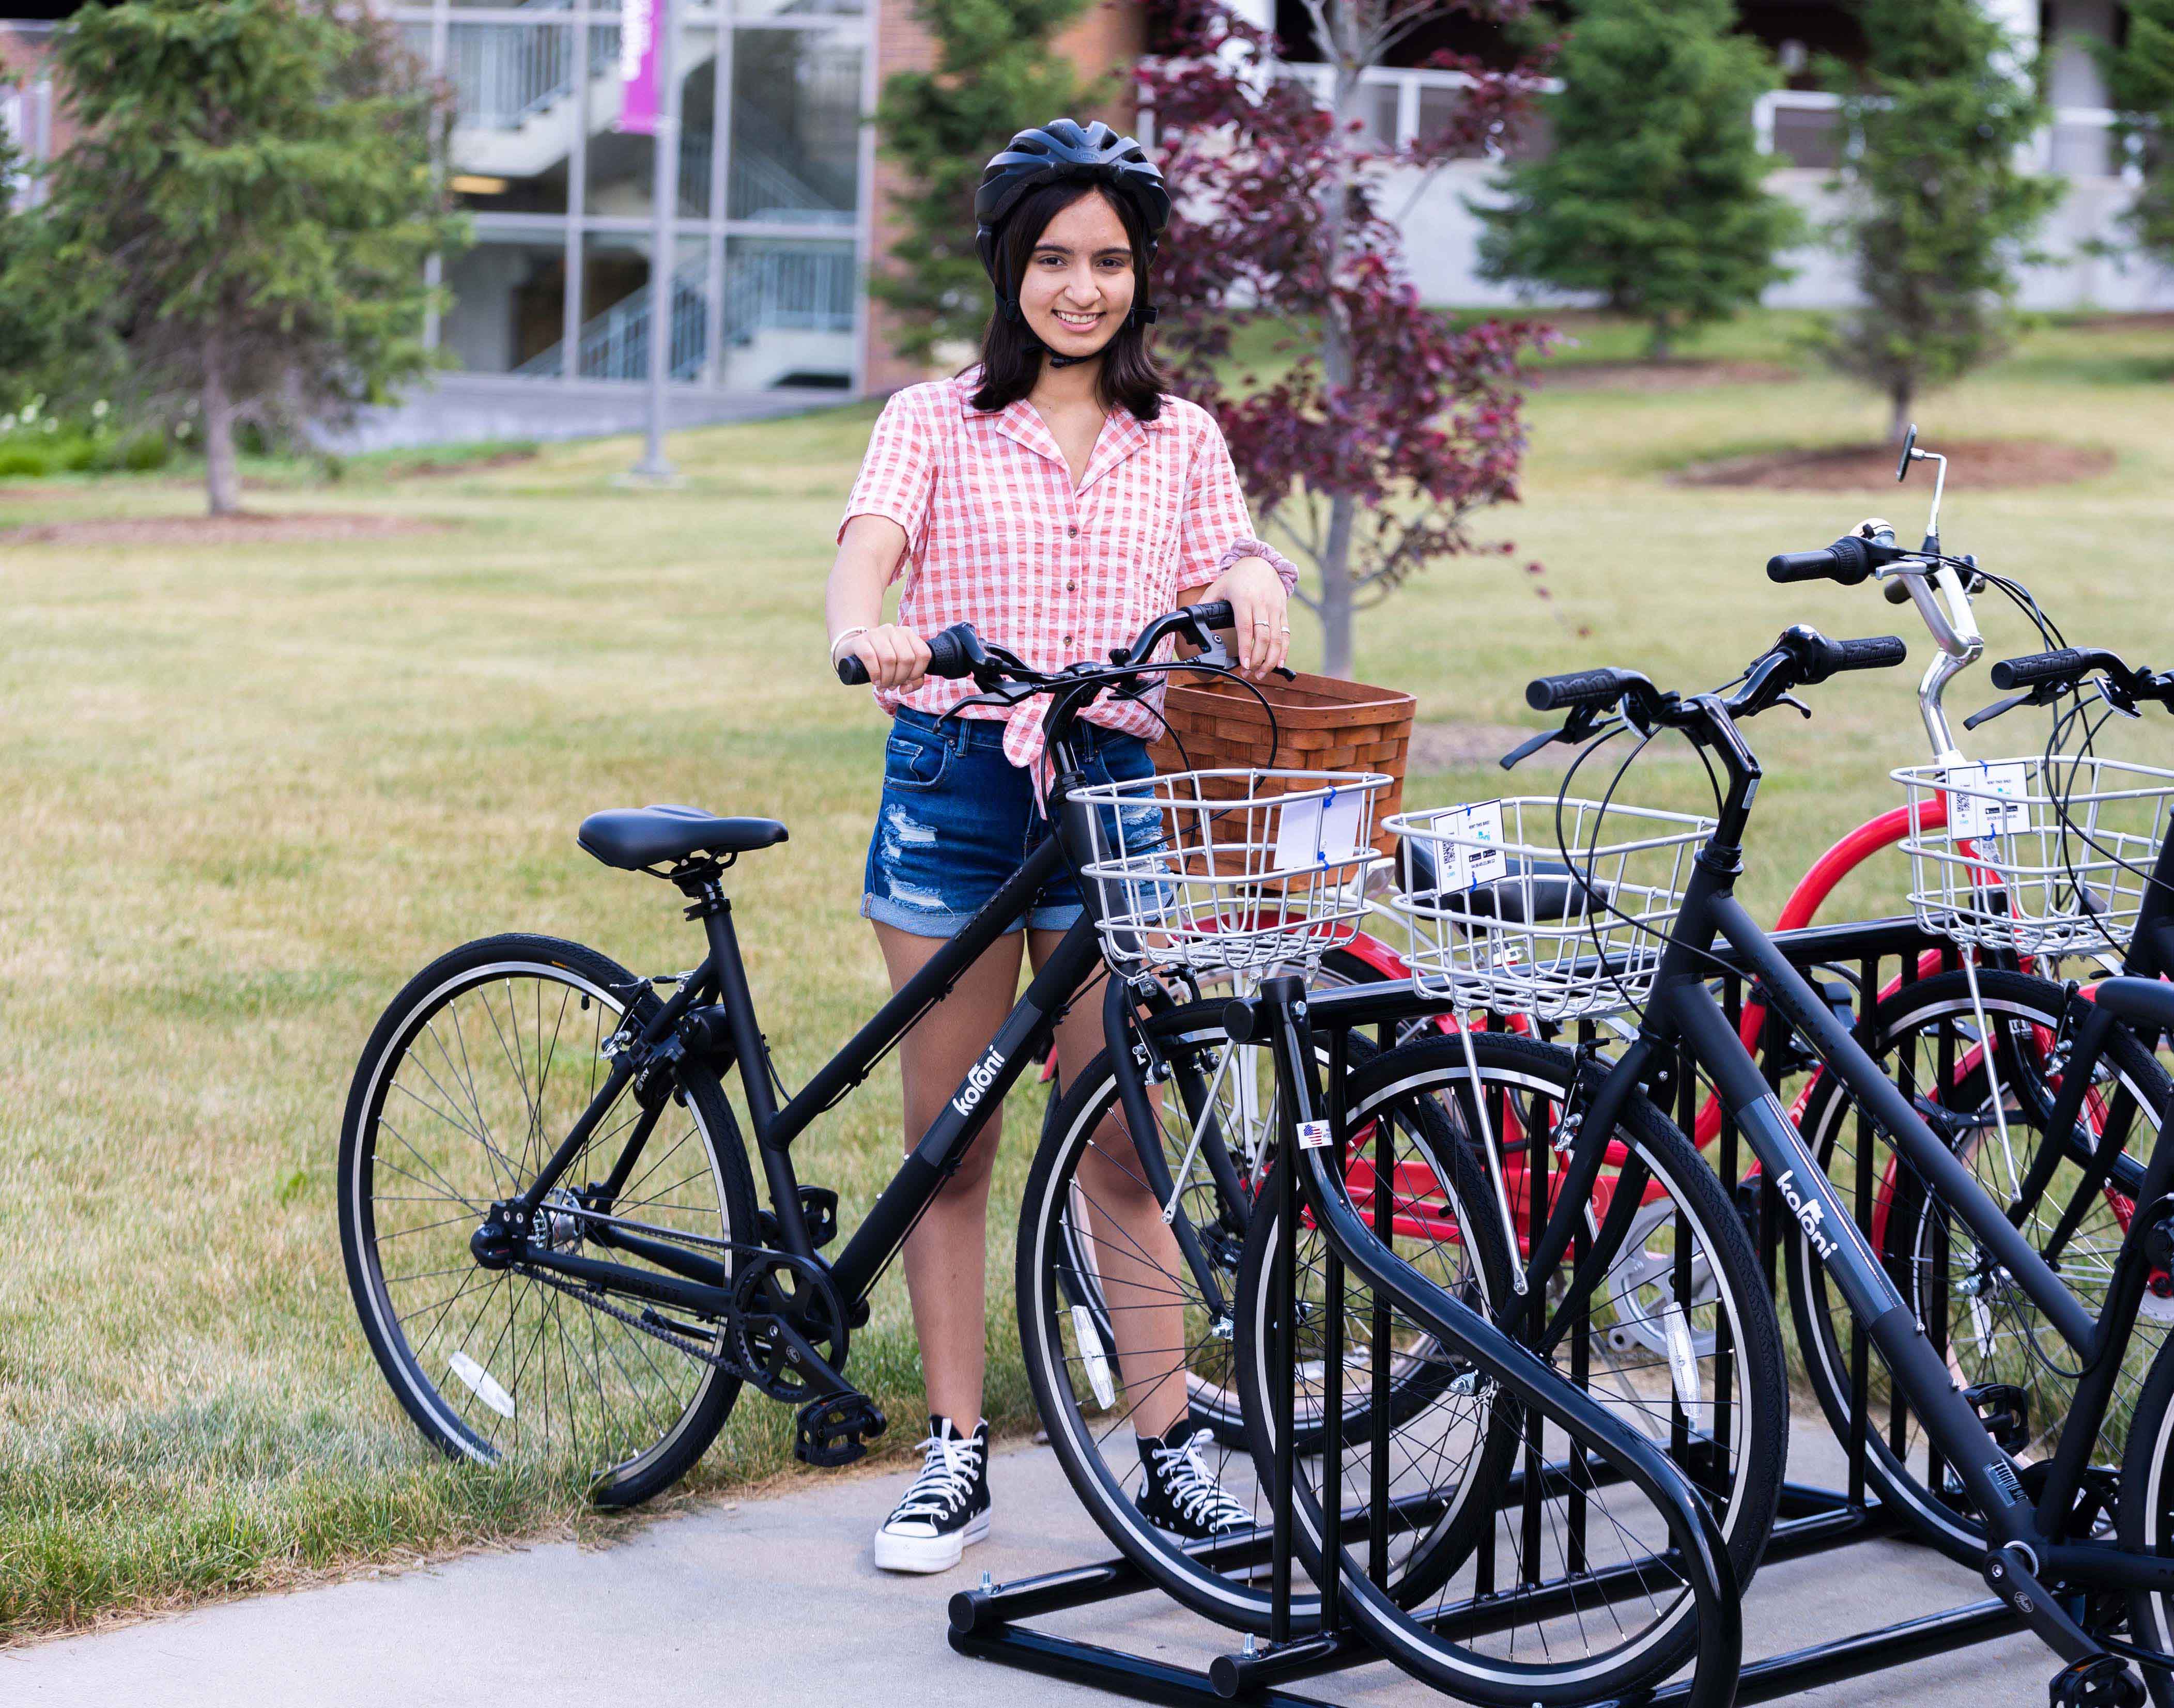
(773, 1603)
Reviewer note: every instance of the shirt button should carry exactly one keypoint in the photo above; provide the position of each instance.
(1070, 587)
(1074, 531)
(1067, 640)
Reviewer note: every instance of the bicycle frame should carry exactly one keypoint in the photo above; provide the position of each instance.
(2025, 1537)
(712, 1019)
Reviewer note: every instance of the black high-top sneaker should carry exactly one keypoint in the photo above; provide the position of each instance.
(1178, 1493)
(947, 1507)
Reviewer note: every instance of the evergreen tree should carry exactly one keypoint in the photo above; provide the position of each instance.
(1937, 210)
(2140, 86)
(1653, 192)
(25, 345)
(246, 215)
(994, 76)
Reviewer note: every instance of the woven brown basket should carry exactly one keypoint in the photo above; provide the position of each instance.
(1324, 724)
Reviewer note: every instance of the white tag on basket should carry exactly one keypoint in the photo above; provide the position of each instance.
(1320, 832)
(1978, 814)
(1482, 824)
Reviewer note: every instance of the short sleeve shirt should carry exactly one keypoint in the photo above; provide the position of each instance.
(997, 536)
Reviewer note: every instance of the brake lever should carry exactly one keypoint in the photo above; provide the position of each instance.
(1787, 699)
(1999, 708)
(1578, 727)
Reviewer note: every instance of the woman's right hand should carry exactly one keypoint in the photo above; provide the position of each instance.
(894, 657)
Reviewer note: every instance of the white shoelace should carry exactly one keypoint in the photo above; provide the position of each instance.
(950, 1466)
(1192, 1486)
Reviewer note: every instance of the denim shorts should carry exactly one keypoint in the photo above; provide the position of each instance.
(957, 819)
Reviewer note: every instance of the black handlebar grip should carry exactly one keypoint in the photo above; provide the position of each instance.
(951, 651)
(2036, 667)
(1214, 614)
(1874, 652)
(1845, 561)
(1593, 687)
(951, 654)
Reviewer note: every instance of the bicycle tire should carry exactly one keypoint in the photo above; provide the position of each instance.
(1910, 1229)
(684, 1401)
(1750, 1357)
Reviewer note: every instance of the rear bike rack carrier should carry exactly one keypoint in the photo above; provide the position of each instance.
(993, 1623)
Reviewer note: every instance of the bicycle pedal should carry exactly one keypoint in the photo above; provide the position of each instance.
(2096, 1681)
(835, 1430)
(2004, 1410)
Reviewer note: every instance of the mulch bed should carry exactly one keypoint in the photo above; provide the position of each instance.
(246, 529)
(1973, 464)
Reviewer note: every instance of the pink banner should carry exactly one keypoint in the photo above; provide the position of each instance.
(637, 65)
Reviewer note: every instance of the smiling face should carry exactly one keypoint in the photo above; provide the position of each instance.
(1079, 281)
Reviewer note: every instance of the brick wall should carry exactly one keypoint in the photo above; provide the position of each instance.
(1109, 34)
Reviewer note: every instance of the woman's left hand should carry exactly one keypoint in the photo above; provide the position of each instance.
(1262, 611)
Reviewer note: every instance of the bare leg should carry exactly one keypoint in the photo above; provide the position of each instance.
(1136, 1253)
(947, 1254)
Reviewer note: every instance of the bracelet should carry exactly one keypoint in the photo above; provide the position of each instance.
(864, 628)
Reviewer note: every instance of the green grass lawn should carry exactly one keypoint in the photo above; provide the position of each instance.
(256, 785)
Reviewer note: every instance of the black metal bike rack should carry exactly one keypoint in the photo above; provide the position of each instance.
(993, 1623)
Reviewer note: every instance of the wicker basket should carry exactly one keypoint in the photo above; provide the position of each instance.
(1325, 724)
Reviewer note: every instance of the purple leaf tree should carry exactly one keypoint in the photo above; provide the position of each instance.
(1383, 425)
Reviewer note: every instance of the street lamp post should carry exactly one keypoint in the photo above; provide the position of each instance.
(664, 204)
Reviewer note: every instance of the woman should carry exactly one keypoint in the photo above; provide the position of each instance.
(1053, 496)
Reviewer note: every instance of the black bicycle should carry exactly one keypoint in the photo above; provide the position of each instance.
(551, 1227)
(2045, 1550)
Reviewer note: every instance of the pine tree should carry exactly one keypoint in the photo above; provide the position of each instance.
(246, 215)
(1653, 193)
(994, 76)
(2140, 87)
(1938, 212)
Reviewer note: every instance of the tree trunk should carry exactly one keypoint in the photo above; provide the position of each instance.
(1336, 588)
(1660, 344)
(222, 479)
(1900, 394)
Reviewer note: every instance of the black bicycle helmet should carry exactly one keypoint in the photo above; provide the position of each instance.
(1065, 151)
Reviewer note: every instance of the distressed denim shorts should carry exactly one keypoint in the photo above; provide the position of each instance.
(957, 819)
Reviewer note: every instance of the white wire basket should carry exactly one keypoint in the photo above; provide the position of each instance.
(1505, 925)
(2034, 858)
(1230, 871)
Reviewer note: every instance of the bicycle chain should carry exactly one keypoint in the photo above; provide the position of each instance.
(679, 1343)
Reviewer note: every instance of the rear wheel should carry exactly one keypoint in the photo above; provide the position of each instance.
(1927, 1037)
(472, 1080)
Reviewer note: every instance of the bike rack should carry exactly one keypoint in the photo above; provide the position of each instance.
(993, 1623)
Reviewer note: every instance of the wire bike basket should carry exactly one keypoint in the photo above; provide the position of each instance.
(2036, 858)
(1508, 927)
(1230, 871)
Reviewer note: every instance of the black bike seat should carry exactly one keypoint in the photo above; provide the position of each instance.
(1556, 892)
(633, 837)
(2147, 1002)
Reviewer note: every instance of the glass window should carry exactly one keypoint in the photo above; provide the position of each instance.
(795, 9)
(509, 304)
(516, 98)
(796, 118)
(614, 341)
(789, 314)
(619, 165)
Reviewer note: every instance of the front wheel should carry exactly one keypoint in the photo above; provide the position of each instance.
(2145, 1518)
(475, 1074)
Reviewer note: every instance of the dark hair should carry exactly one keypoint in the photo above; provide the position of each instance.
(1011, 355)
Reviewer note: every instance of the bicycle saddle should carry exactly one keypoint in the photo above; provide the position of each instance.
(1556, 893)
(2146, 1003)
(633, 837)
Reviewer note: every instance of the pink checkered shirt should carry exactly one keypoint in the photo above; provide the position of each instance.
(996, 537)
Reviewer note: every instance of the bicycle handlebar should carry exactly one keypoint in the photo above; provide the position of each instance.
(957, 653)
(1590, 688)
(2045, 674)
(1874, 652)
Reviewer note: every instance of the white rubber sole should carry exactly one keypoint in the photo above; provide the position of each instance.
(928, 1553)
